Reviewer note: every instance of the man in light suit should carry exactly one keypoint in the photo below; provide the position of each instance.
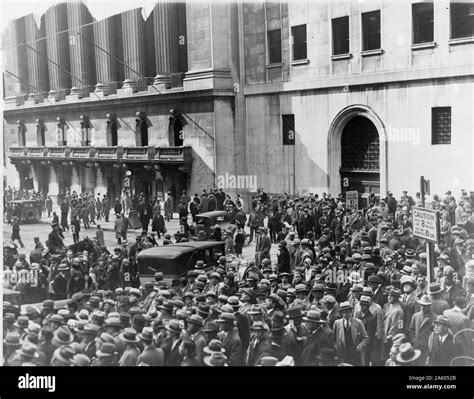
(441, 347)
(393, 319)
(421, 327)
(351, 337)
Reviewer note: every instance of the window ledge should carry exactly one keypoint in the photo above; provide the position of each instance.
(341, 56)
(300, 62)
(461, 40)
(368, 53)
(276, 65)
(421, 46)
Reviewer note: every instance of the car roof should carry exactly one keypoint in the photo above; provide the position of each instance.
(174, 251)
(212, 214)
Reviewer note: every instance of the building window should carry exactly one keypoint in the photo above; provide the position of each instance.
(274, 46)
(462, 20)
(298, 35)
(21, 133)
(371, 30)
(423, 23)
(288, 122)
(85, 131)
(441, 125)
(340, 35)
(40, 137)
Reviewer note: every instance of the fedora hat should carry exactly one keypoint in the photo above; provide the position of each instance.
(107, 349)
(345, 306)
(214, 346)
(425, 300)
(12, 339)
(104, 338)
(255, 309)
(301, 288)
(313, 316)
(28, 350)
(196, 319)
(258, 325)
(408, 280)
(21, 322)
(203, 309)
(64, 336)
(395, 292)
(211, 326)
(216, 359)
(113, 322)
(65, 354)
(48, 304)
(90, 329)
(365, 300)
(226, 318)
(129, 335)
(250, 292)
(295, 312)
(435, 288)
(317, 287)
(146, 334)
(168, 306)
(277, 332)
(268, 361)
(174, 326)
(81, 360)
(407, 354)
(442, 319)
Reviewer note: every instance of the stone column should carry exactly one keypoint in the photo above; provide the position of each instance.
(15, 59)
(133, 37)
(58, 48)
(101, 183)
(108, 70)
(37, 63)
(209, 45)
(81, 51)
(76, 180)
(166, 36)
(53, 187)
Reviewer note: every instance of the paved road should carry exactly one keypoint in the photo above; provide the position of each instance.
(42, 229)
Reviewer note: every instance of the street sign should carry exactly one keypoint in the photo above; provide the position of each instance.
(426, 224)
(352, 199)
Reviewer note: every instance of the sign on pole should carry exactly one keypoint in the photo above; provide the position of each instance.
(426, 224)
(352, 199)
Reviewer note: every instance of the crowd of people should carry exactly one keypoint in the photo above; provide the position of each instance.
(344, 287)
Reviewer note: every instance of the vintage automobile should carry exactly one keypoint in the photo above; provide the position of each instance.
(175, 260)
(207, 221)
(30, 209)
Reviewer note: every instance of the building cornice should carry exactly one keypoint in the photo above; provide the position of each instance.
(362, 80)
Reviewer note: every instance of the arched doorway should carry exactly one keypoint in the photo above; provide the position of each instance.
(357, 156)
(360, 156)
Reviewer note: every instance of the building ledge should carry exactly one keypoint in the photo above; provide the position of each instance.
(300, 62)
(275, 65)
(368, 53)
(422, 46)
(337, 57)
(461, 40)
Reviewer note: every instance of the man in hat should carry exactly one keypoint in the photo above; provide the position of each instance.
(317, 338)
(370, 324)
(421, 327)
(275, 346)
(264, 246)
(351, 337)
(60, 283)
(195, 325)
(379, 293)
(438, 305)
(131, 353)
(154, 356)
(441, 346)
(297, 333)
(258, 342)
(456, 317)
(283, 258)
(88, 336)
(171, 343)
(408, 298)
(230, 339)
(451, 288)
(393, 318)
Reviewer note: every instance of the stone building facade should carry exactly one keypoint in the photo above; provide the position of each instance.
(306, 96)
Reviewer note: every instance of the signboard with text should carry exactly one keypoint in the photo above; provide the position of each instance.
(352, 199)
(426, 224)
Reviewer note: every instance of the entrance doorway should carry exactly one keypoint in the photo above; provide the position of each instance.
(357, 154)
(360, 156)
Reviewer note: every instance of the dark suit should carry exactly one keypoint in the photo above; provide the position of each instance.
(172, 356)
(441, 354)
(156, 355)
(254, 351)
(200, 341)
(312, 348)
(233, 347)
(421, 327)
(295, 341)
(380, 297)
